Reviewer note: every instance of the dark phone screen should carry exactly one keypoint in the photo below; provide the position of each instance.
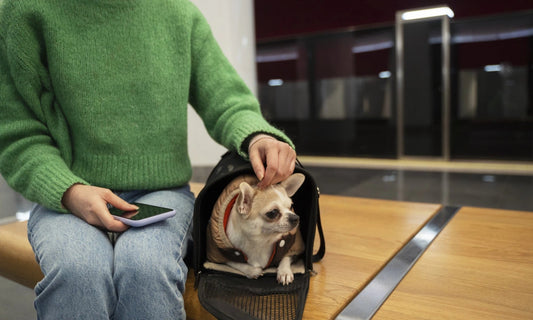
(145, 211)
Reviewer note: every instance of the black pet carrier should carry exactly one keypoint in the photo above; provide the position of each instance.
(227, 295)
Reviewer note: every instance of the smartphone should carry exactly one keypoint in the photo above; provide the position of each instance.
(146, 214)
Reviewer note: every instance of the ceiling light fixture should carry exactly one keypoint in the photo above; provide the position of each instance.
(427, 13)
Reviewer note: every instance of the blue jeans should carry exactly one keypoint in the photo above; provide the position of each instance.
(86, 276)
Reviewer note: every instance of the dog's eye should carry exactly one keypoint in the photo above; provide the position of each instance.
(273, 214)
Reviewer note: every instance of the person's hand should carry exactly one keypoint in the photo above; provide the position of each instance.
(278, 156)
(89, 203)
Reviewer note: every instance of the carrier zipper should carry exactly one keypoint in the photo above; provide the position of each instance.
(197, 279)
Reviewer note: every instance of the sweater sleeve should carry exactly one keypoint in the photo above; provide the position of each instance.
(30, 160)
(230, 112)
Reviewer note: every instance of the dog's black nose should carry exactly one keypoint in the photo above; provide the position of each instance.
(294, 219)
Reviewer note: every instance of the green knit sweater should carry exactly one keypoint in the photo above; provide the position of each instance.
(96, 92)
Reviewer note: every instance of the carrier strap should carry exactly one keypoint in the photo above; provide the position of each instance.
(322, 249)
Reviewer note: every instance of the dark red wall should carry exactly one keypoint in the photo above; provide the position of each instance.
(284, 18)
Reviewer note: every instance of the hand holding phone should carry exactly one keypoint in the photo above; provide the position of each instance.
(91, 204)
(146, 214)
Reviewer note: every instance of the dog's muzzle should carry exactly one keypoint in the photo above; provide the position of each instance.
(294, 219)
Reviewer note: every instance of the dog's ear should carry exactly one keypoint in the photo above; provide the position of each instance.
(293, 183)
(244, 200)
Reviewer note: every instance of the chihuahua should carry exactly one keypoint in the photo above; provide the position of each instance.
(252, 229)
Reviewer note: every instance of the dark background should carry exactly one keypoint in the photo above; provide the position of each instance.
(283, 18)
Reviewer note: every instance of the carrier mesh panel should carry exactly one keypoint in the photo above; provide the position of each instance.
(232, 297)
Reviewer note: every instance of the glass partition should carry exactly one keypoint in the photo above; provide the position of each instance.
(283, 86)
(335, 94)
(332, 94)
(493, 114)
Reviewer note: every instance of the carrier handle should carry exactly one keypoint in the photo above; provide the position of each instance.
(322, 249)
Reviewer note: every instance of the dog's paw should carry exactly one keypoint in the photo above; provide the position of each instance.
(248, 270)
(253, 272)
(285, 277)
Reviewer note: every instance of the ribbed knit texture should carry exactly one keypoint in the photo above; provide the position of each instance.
(96, 92)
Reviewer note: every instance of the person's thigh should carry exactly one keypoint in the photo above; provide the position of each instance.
(77, 262)
(150, 274)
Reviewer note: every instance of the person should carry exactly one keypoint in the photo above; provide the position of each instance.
(93, 108)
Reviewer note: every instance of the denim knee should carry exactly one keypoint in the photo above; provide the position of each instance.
(87, 271)
(148, 271)
(84, 285)
(150, 288)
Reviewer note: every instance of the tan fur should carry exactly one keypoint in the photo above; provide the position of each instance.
(259, 221)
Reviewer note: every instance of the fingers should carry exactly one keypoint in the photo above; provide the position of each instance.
(106, 220)
(272, 168)
(114, 225)
(257, 163)
(279, 158)
(287, 160)
(89, 203)
(280, 165)
(118, 202)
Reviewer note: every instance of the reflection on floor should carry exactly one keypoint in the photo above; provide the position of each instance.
(480, 189)
(450, 188)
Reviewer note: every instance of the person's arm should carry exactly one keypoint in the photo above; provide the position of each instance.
(30, 159)
(230, 112)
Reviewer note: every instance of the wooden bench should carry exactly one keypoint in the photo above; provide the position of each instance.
(361, 236)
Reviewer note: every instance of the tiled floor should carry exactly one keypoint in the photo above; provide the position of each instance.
(479, 189)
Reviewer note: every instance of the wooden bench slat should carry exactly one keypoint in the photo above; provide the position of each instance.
(17, 261)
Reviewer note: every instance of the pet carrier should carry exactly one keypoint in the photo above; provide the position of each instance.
(228, 295)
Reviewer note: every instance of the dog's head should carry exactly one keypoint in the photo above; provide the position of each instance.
(269, 210)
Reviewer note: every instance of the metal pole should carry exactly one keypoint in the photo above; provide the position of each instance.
(399, 87)
(446, 113)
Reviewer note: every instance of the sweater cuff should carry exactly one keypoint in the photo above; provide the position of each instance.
(52, 182)
(253, 138)
(242, 135)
